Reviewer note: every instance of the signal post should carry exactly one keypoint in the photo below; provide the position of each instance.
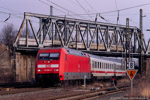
(131, 72)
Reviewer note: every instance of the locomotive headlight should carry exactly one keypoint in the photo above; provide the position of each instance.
(56, 69)
(39, 70)
(54, 65)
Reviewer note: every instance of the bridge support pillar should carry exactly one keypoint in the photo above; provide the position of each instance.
(25, 66)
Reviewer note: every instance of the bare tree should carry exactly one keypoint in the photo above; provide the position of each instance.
(8, 35)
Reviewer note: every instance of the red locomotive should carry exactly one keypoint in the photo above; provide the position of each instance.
(60, 64)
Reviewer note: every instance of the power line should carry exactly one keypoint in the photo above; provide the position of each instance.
(83, 8)
(7, 18)
(118, 9)
(15, 16)
(53, 7)
(117, 12)
(11, 10)
(126, 8)
(90, 6)
(62, 8)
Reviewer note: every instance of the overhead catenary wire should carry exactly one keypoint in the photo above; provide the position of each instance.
(86, 14)
(63, 8)
(7, 18)
(117, 10)
(15, 12)
(11, 10)
(53, 7)
(102, 17)
(12, 14)
(90, 6)
(83, 9)
(96, 13)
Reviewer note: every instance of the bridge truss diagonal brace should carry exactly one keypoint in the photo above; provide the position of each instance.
(79, 34)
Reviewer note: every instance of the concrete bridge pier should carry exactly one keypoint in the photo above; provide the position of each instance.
(25, 66)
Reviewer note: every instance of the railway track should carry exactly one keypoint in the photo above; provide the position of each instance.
(89, 94)
(9, 91)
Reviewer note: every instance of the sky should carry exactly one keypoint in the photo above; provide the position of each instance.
(13, 10)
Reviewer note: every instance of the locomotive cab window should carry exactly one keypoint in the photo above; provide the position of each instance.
(54, 56)
(44, 56)
(49, 56)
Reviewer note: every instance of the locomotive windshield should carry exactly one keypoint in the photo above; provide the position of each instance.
(54, 56)
(49, 56)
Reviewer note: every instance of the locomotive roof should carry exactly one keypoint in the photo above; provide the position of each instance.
(70, 51)
(80, 53)
(75, 52)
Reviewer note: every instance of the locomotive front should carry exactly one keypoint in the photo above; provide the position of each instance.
(47, 65)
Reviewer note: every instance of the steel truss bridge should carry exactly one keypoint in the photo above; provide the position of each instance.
(94, 37)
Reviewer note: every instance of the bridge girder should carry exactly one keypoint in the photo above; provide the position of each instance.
(54, 31)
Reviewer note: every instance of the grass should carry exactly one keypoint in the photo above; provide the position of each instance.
(142, 88)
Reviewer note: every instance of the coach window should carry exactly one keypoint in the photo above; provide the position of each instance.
(98, 64)
(110, 66)
(92, 63)
(104, 66)
(117, 66)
